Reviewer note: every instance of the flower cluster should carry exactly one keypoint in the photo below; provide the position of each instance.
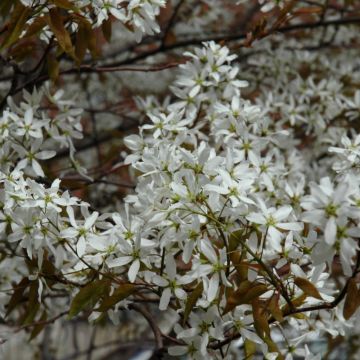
(28, 133)
(139, 15)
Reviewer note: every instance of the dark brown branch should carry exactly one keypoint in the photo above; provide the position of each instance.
(41, 322)
(157, 333)
(239, 36)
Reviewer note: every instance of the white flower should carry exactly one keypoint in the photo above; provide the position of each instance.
(80, 232)
(273, 219)
(172, 283)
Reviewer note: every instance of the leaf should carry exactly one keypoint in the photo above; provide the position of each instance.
(192, 299)
(81, 44)
(352, 300)
(85, 39)
(106, 28)
(307, 287)
(21, 50)
(65, 4)
(53, 67)
(32, 305)
(119, 294)
(236, 238)
(249, 349)
(260, 320)
(245, 295)
(57, 27)
(296, 302)
(88, 296)
(241, 266)
(275, 309)
(17, 296)
(16, 25)
(5, 7)
(39, 327)
(37, 25)
(91, 41)
(262, 327)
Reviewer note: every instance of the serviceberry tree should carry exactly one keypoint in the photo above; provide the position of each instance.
(179, 178)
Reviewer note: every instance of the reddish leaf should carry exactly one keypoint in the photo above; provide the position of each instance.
(352, 300)
(307, 287)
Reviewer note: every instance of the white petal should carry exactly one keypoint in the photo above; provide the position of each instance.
(133, 270)
(81, 246)
(295, 226)
(90, 221)
(37, 168)
(213, 287)
(165, 299)
(120, 261)
(330, 231)
(282, 213)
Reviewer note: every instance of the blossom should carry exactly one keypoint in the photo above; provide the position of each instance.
(272, 218)
(172, 284)
(132, 253)
(80, 232)
(325, 205)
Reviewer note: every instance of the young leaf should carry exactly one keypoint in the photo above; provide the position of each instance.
(352, 300)
(106, 28)
(53, 67)
(262, 327)
(275, 309)
(65, 4)
(307, 287)
(192, 299)
(81, 44)
(260, 319)
(249, 349)
(88, 296)
(121, 293)
(17, 295)
(57, 27)
(37, 25)
(245, 295)
(16, 26)
(39, 327)
(5, 7)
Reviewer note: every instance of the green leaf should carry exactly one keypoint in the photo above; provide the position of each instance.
(88, 296)
(249, 349)
(307, 287)
(192, 299)
(121, 293)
